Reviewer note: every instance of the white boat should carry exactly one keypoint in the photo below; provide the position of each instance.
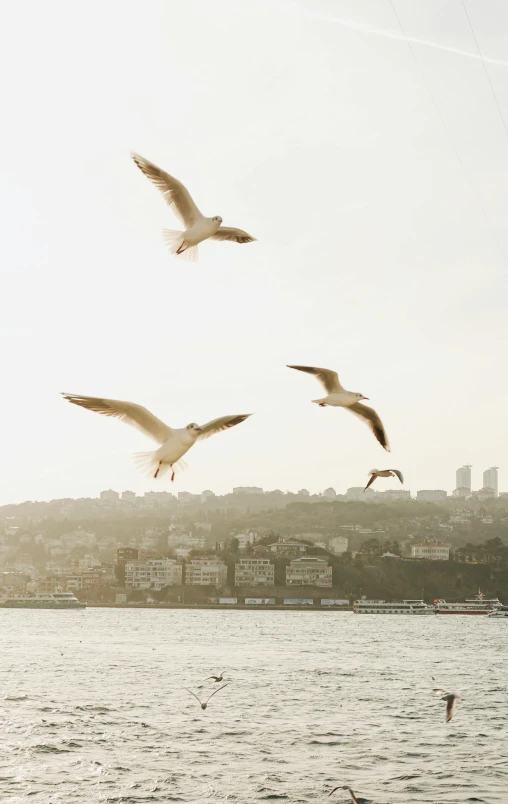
(501, 612)
(472, 605)
(413, 607)
(41, 600)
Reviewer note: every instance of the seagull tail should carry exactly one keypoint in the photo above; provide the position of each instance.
(175, 241)
(148, 464)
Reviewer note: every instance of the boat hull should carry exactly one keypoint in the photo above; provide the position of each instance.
(461, 611)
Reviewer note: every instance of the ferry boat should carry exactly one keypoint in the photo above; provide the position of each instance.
(416, 607)
(500, 612)
(472, 605)
(41, 600)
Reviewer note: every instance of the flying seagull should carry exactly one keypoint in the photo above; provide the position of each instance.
(383, 473)
(337, 396)
(205, 704)
(216, 678)
(345, 787)
(450, 698)
(173, 443)
(197, 227)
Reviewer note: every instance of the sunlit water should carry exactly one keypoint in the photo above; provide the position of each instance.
(315, 699)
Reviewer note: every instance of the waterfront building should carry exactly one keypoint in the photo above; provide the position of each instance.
(207, 571)
(152, 573)
(309, 571)
(254, 572)
(490, 479)
(288, 549)
(431, 550)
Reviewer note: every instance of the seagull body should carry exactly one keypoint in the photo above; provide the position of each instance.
(450, 698)
(173, 443)
(383, 473)
(216, 678)
(197, 226)
(345, 787)
(338, 397)
(204, 704)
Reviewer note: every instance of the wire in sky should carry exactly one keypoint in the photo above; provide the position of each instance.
(485, 67)
(505, 257)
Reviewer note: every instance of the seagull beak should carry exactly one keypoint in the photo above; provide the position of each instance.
(365, 397)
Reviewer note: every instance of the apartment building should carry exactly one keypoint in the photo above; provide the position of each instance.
(254, 572)
(309, 571)
(431, 550)
(207, 571)
(152, 573)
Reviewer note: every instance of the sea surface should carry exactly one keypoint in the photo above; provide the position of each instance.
(314, 700)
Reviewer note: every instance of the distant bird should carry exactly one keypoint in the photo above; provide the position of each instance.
(216, 678)
(205, 704)
(450, 698)
(173, 443)
(337, 396)
(345, 787)
(197, 227)
(383, 473)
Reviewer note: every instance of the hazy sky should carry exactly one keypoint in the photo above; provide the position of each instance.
(307, 123)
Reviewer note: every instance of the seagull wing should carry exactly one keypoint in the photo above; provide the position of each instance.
(450, 704)
(329, 379)
(371, 418)
(223, 423)
(399, 475)
(192, 693)
(217, 690)
(174, 192)
(345, 787)
(135, 415)
(235, 235)
(373, 477)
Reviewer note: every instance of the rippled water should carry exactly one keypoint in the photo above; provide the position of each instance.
(315, 699)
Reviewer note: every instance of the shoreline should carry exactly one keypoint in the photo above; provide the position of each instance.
(223, 607)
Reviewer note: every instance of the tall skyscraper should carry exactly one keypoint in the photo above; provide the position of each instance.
(490, 479)
(463, 477)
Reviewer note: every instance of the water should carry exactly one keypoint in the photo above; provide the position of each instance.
(315, 699)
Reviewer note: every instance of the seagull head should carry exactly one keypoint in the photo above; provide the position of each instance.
(373, 471)
(193, 428)
(218, 219)
(203, 706)
(361, 396)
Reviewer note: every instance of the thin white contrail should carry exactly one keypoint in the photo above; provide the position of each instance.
(359, 26)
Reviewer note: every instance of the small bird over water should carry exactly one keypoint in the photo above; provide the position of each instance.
(204, 704)
(197, 227)
(173, 443)
(450, 698)
(216, 678)
(338, 397)
(383, 473)
(345, 787)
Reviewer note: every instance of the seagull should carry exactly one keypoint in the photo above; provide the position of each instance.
(337, 396)
(173, 443)
(345, 787)
(216, 678)
(205, 704)
(383, 473)
(450, 698)
(197, 227)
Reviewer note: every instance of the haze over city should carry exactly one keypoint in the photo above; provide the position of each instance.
(331, 151)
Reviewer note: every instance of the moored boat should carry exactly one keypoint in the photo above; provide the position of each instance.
(476, 605)
(41, 600)
(501, 612)
(415, 607)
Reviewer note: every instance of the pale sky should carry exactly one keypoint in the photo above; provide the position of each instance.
(307, 123)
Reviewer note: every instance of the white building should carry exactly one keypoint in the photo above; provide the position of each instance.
(309, 571)
(129, 496)
(393, 495)
(244, 539)
(490, 479)
(360, 493)
(288, 549)
(431, 495)
(432, 551)
(152, 573)
(247, 490)
(109, 496)
(254, 572)
(209, 571)
(463, 478)
(338, 544)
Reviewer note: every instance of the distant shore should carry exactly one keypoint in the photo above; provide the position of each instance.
(222, 606)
